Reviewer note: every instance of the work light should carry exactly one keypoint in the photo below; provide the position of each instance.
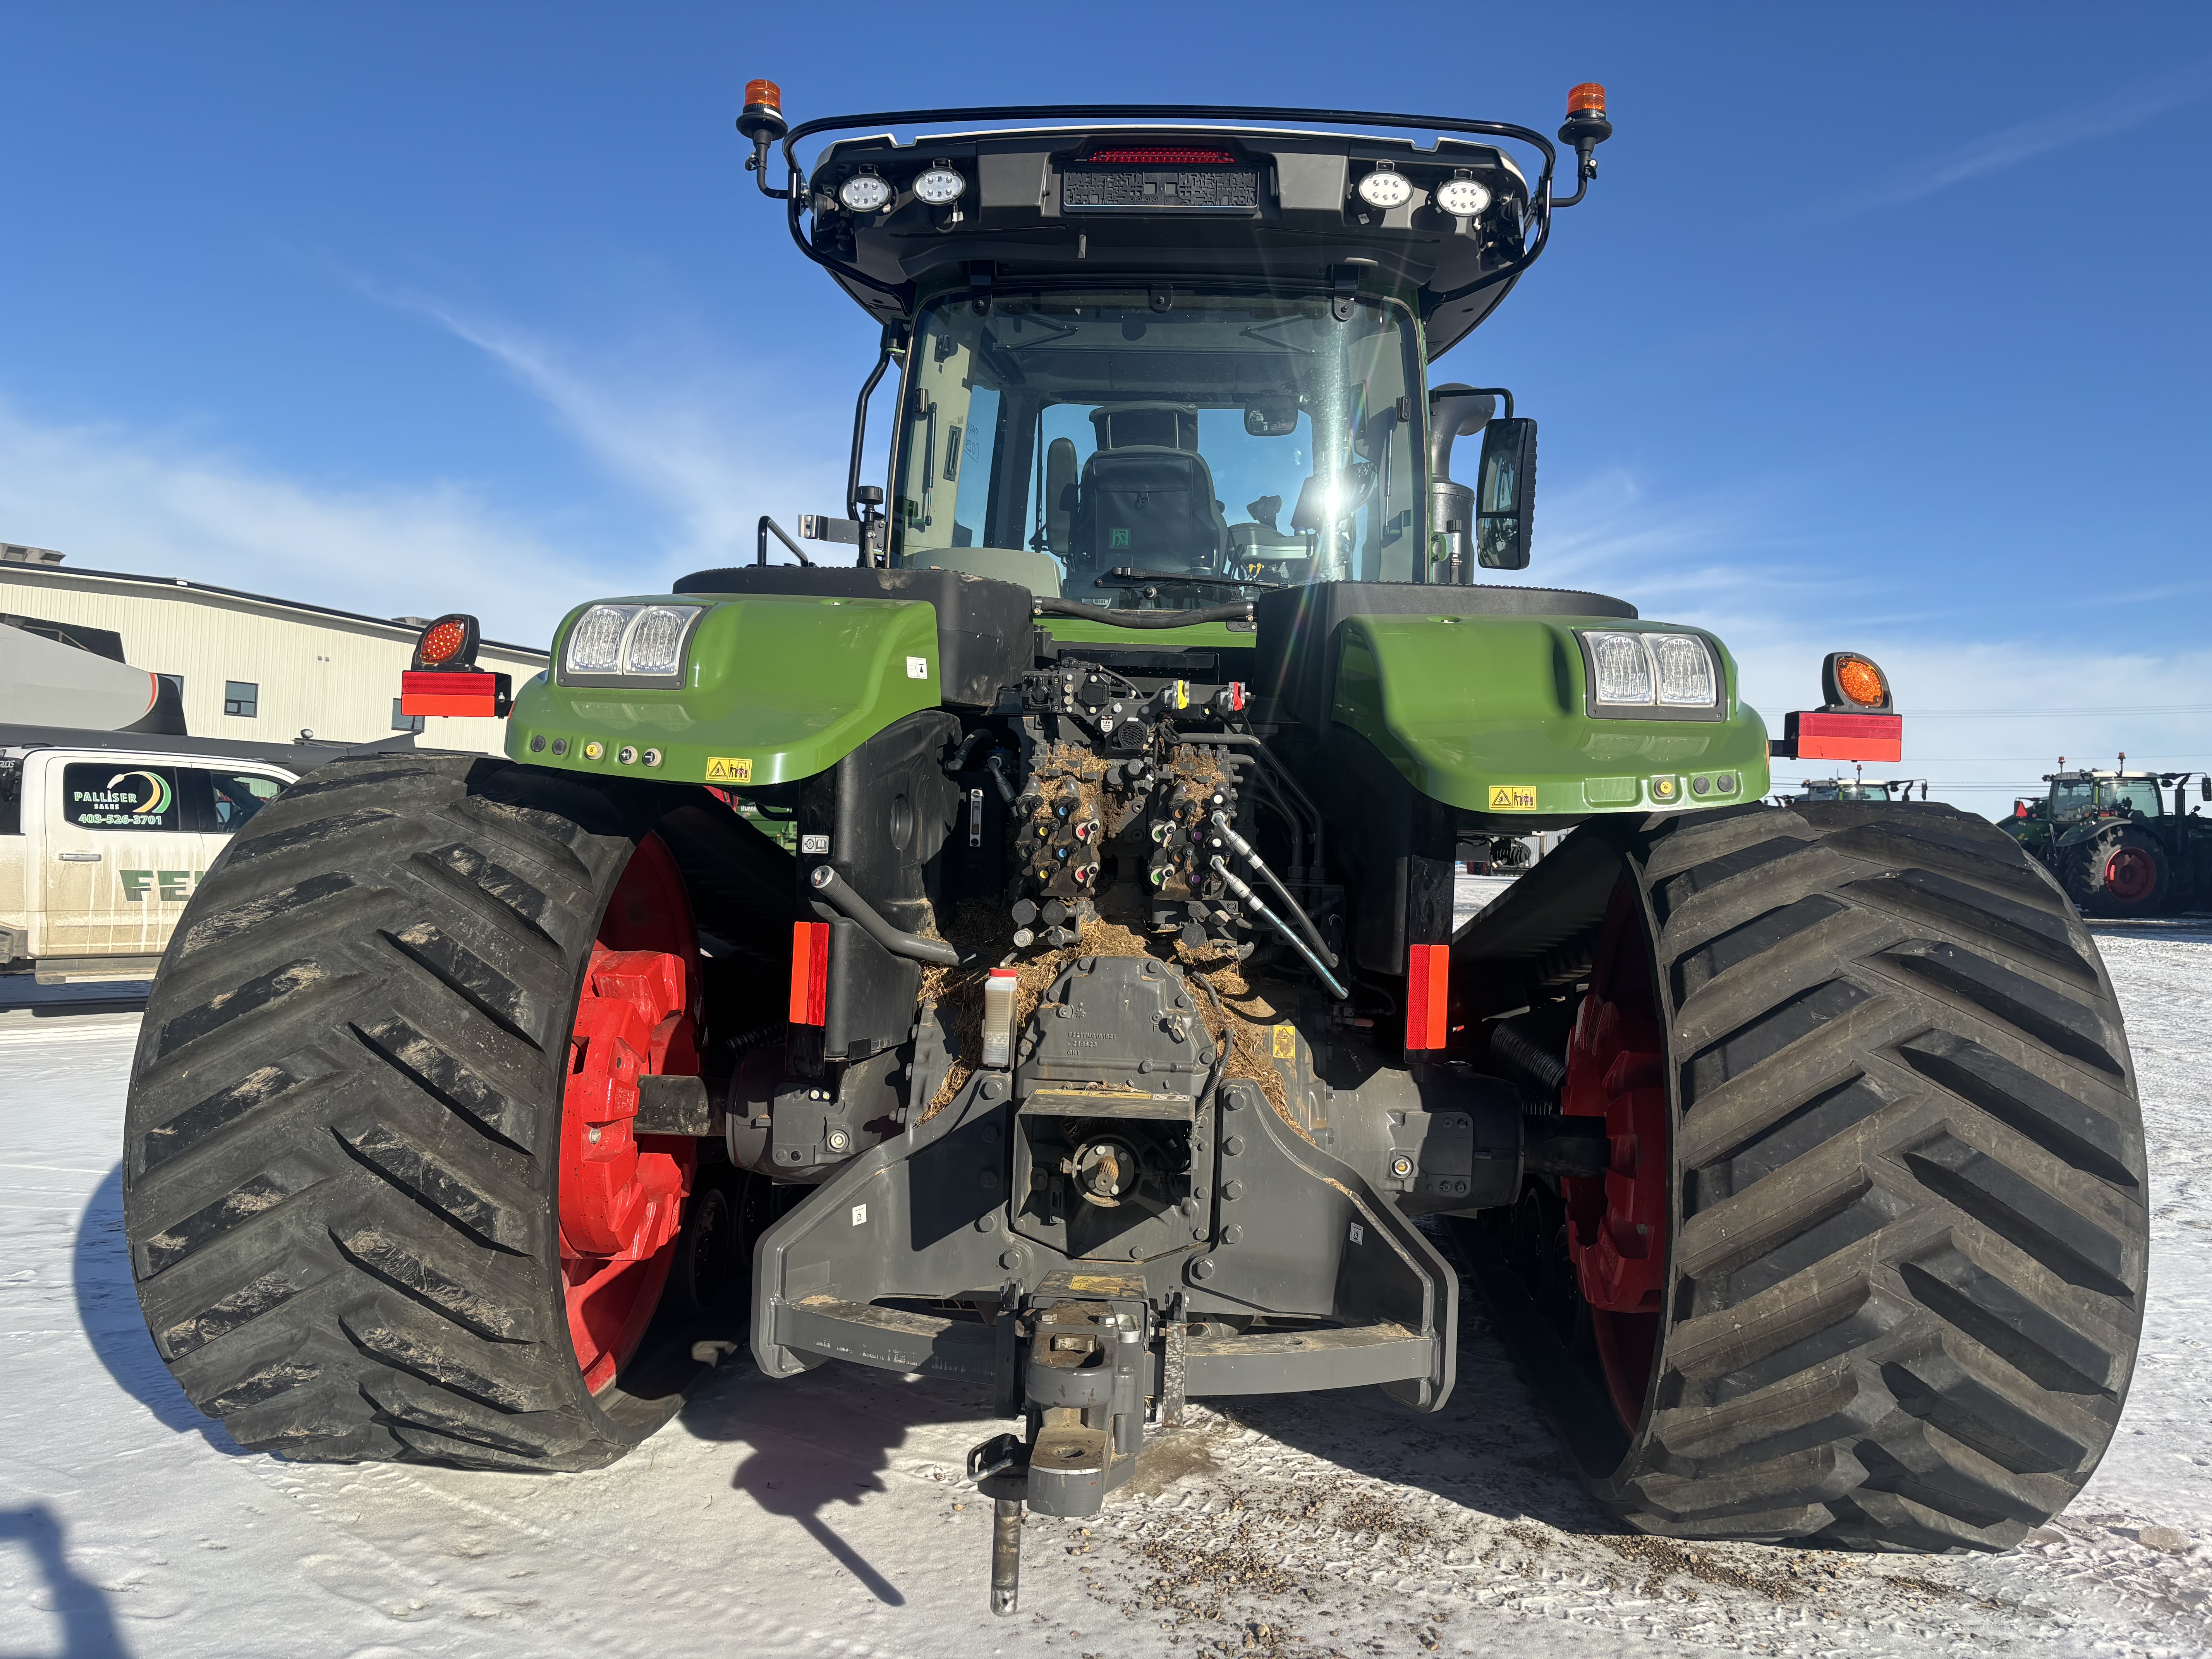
(864, 192)
(938, 186)
(1385, 188)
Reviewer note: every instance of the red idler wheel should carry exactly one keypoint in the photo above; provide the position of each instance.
(1617, 1227)
(622, 1196)
(2131, 875)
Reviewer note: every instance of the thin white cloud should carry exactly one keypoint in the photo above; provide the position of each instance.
(160, 504)
(1780, 607)
(2012, 146)
(714, 447)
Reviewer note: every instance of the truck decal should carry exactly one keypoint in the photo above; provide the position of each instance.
(170, 886)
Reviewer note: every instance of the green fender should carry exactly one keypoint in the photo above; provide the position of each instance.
(1489, 714)
(776, 689)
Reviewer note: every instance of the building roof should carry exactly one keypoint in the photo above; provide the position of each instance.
(400, 629)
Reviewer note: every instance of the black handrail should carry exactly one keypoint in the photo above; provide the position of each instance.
(768, 524)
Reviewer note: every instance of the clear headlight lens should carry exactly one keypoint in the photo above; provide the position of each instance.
(939, 185)
(1686, 669)
(1461, 198)
(1624, 671)
(864, 193)
(595, 642)
(655, 644)
(1385, 188)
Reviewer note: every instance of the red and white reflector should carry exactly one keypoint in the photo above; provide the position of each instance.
(1817, 735)
(1428, 993)
(809, 972)
(472, 695)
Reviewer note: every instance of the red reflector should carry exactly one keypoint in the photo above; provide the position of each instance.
(1162, 155)
(428, 692)
(1814, 736)
(1428, 987)
(809, 972)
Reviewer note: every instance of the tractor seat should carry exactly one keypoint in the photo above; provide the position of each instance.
(1144, 498)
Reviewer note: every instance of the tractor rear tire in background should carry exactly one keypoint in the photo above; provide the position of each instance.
(2120, 872)
(378, 1204)
(1879, 1282)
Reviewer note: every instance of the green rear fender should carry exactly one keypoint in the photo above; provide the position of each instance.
(1490, 713)
(775, 689)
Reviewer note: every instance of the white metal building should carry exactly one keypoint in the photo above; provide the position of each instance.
(253, 667)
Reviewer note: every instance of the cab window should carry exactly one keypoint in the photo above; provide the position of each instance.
(235, 797)
(2136, 795)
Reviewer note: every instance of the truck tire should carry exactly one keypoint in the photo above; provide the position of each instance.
(2122, 872)
(360, 1143)
(1883, 1287)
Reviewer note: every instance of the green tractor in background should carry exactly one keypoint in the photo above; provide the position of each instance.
(2116, 845)
(1023, 956)
(1860, 788)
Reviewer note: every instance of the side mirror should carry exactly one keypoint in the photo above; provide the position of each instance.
(1271, 417)
(2204, 786)
(1505, 494)
(1060, 495)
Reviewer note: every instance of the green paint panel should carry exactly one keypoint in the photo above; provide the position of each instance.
(775, 689)
(1199, 636)
(1487, 713)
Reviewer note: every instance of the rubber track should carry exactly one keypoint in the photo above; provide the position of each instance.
(342, 1137)
(1908, 1269)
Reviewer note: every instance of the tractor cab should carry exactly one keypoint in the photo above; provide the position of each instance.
(1876, 789)
(2087, 796)
(1169, 364)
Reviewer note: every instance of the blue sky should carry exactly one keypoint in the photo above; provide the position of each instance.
(1884, 326)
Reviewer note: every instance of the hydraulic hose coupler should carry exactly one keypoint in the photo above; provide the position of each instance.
(1244, 849)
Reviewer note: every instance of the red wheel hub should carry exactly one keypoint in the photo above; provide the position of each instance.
(1617, 1226)
(2130, 874)
(622, 1196)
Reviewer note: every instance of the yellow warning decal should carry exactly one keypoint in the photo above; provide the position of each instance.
(1287, 1042)
(725, 768)
(1092, 1282)
(1512, 796)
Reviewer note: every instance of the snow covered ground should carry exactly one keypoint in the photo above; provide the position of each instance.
(826, 1515)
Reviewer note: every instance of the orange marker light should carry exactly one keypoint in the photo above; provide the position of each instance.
(1587, 99)
(766, 94)
(442, 643)
(1861, 681)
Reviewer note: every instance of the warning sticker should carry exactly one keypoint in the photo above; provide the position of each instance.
(1287, 1042)
(917, 668)
(726, 768)
(1512, 796)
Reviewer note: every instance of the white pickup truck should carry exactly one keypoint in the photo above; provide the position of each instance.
(104, 835)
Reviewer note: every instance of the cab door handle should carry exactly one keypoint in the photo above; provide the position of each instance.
(78, 858)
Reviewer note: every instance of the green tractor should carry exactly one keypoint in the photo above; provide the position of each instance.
(1860, 788)
(1022, 956)
(2116, 845)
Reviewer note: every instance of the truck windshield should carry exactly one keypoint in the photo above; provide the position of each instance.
(1126, 455)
